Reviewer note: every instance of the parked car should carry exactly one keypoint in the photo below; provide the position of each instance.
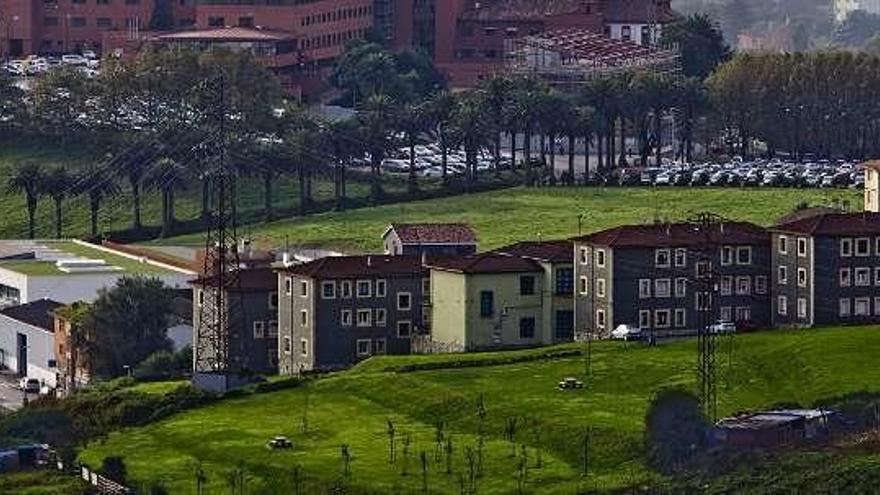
(29, 385)
(73, 59)
(723, 327)
(626, 332)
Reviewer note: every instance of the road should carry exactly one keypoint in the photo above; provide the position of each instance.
(10, 395)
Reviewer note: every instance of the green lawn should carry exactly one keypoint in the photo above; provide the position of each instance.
(352, 408)
(44, 482)
(48, 268)
(511, 215)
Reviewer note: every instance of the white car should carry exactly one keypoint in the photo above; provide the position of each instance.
(626, 332)
(29, 385)
(89, 54)
(723, 327)
(73, 60)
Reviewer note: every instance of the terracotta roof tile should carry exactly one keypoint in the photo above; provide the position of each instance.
(834, 224)
(559, 251)
(873, 165)
(359, 266)
(676, 235)
(433, 233)
(490, 262)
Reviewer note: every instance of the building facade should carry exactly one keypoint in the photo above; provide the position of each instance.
(430, 239)
(336, 311)
(872, 186)
(827, 270)
(672, 278)
(27, 340)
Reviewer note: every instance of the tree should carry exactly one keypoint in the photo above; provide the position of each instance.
(27, 178)
(675, 430)
(375, 117)
(344, 139)
(412, 122)
(113, 467)
(97, 184)
(127, 323)
(496, 95)
(440, 109)
(59, 99)
(168, 176)
(472, 130)
(12, 107)
(57, 184)
(301, 145)
(162, 18)
(701, 44)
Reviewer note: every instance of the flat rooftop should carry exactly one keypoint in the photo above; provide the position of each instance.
(46, 253)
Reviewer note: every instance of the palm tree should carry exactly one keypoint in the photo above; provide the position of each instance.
(97, 184)
(345, 143)
(496, 91)
(472, 130)
(27, 178)
(168, 176)
(412, 122)
(301, 151)
(440, 109)
(56, 184)
(375, 116)
(585, 119)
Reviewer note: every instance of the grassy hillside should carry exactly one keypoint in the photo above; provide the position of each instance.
(353, 408)
(511, 215)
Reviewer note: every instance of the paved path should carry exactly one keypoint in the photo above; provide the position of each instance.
(10, 395)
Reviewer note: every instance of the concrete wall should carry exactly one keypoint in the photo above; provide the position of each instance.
(76, 287)
(448, 308)
(40, 349)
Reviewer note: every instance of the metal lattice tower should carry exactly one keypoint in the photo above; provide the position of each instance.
(216, 341)
(710, 227)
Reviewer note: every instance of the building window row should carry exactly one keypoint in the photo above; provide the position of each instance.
(665, 258)
(337, 15)
(370, 347)
(859, 246)
(331, 289)
(858, 307)
(739, 255)
(663, 318)
(333, 39)
(801, 242)
(859, 276)
(735, 314)
(265, 329)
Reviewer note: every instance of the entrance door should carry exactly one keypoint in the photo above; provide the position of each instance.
(22, 354)
(564, 326)
(16, 47)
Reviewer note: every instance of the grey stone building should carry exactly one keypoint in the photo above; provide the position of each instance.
(433, 239)
(826, 270)
(336, 311)
(253, 333)
(672, 278)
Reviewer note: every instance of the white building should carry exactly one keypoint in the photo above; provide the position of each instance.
(69, 271)
(872, 186)
(843, 8)
(639, 21)
(27, 340)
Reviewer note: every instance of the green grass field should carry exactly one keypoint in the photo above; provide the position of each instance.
(512, 215)
(352, 408)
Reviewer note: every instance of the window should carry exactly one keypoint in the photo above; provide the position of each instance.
(77, 22)
(527, 328)
(288, 286)
(726, 285)
(681, 287)
(743, 286)
(364, 317)
(426, 287)
(259, 330)
(644, 319)
(703, 301)
(661, 258)
(381, 288)
(50, 21)
(725, 313)
(328, 290)
(600, 287)
(304, 317)
(286, 346)
(845, 277)
(783, 275)
(663, 318)
(704, 269)
(526, 285)
(802, 307)
(345, 317)
(761, 284)
(304, 289)
(802, 277)
(345, 289)
(404, 301)
(273, 300)
(363, 347)
(626, 33)
(877, 247)
(404, 329)
(863, 246)
(846, 247)
(744, 255)
(246, 22)
(600, 258)
(863, 277)
(600, 318)
(726, 255)
(877, 275)
(844, 305)
(380, 317)
(680, 318)
(201, 297)
(104, 23)
(662, 287)
(364, 288)
(103, 2)
(304, 347)
(487, 303)
(379, 346)
(583, 285)
(877, 306)
(644, 288)
(585, 255)
(564, 281)
(782, 305)
(212, 21)
(743, 313)
(783, 244)
(802, 247)
(681, 257)
(862, 306)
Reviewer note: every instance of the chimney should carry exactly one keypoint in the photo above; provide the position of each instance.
(424, 258)
(285, 259)
(369, 261)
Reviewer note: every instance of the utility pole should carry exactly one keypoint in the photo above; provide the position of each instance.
(706, 225)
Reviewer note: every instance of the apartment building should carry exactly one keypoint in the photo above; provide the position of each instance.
(872, 186)
(432, 239)
(672, 278)
(826, 270)
(336, 311)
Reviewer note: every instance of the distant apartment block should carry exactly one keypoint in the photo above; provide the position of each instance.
(827, 270)
(872, 186)
(27, 340)
(336, 311)
(669, 277)
(433, 239)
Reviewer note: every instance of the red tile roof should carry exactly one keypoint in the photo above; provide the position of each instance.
(359, 266)
(226, 34)
(252, 279)
(873, 165)
(490, 262)
(677, 235)
(835, 224)
(433, 233)
(559, 251)
(639, 12)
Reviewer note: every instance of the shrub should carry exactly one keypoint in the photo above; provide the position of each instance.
(113, 467)
(471, 361)
(163, 365)
(675, 430)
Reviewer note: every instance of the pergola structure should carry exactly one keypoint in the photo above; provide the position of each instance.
(570, 56)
